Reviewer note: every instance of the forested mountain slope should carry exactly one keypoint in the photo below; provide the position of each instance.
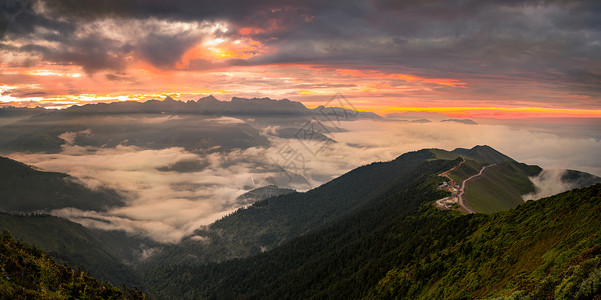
(28, 273)
(403, 247)
(102, 253)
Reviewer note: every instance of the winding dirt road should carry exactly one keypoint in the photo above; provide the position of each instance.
(462, 190)
(446, 173)
(444, 202)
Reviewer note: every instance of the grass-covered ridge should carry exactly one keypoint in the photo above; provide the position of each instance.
(500, 187)
(28, 273)
(465, 170)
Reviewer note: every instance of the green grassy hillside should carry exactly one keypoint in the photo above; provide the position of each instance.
(468, 168)
(28, 273)
(500, 187)
(484, 154)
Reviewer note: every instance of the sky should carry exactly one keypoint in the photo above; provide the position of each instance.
(502, 59)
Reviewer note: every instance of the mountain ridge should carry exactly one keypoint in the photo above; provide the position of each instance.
(25, 189)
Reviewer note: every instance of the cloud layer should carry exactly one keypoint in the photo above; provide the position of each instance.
(171, 192)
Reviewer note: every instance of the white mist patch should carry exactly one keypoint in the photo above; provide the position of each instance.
(226, 120)
(548, 183)
(159, 120)
(70, 136)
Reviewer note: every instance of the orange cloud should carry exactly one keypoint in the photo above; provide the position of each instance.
(219, 49)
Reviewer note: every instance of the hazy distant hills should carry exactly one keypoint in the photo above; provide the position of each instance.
(204, 125)
(425, 117)
(416, 115)
(12, 114)
(211, 105)
(461, 121)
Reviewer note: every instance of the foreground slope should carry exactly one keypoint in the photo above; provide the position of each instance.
(101, 253)
(28, 273)
(549, 248)
(404, 248)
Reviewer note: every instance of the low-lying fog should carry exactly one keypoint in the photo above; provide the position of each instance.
(171, 192)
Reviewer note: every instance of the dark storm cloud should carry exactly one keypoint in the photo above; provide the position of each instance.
(164, 50)
(554, 41)
(18, 17)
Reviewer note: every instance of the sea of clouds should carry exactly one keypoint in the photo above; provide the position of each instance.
(166, 204)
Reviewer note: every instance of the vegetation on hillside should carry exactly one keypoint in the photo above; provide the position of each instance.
(402, 247)
(102, 253)
(548, 249)
(468, 168)
(500, 187)
(28, 273)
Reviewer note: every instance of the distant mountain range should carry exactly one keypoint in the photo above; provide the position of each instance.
(198, 126)
(462, 121)
(425, 117)
(211, 105)
(416, 115)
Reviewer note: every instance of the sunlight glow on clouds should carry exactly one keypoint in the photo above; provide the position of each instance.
(383, 54)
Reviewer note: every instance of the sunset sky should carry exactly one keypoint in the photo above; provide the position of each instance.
(500, 59)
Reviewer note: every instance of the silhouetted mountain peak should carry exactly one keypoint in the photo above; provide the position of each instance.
(208, 99)
(462, 121)
(484, 154)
